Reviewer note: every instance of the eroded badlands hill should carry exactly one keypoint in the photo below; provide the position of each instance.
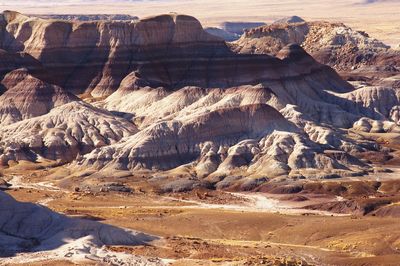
(330, 43)
(164, 96)
(358, 56)
(27, 96)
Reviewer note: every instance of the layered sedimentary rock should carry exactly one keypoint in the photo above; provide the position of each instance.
(12, 61)
(251, 140)
(62, 134)
(27, 96)
(166, 145)
(371, 101)
(96, 56)
(330, 43)
(153, 105)
(364, 59)
(171, 51)
(293, 78)
(193, 58)
(180, 100)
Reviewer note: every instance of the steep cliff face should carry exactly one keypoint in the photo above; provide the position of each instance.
(334, 44)
(355, 54)
(371, 64)
(171, 97)
(171, 51)
(27, 96)
(166, 145)
(251, 140)
(96, 56)
(62, 134)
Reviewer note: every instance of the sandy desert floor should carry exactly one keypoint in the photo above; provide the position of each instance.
(197, 236)
(379, 18)
(204, 227)
(219, 228)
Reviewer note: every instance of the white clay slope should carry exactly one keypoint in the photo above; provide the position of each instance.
(66, 131)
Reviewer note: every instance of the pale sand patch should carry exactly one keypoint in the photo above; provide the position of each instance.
(259, 202)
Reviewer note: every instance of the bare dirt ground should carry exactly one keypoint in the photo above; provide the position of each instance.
(218, 228)
(345, 221)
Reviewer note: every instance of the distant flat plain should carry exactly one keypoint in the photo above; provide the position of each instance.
(380, 18)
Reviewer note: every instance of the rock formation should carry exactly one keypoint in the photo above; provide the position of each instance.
(95, 56)
(330, 43)
(253, 137)
(368, 63)
(164, 96)
(66, 131)
(166, 145)
(376, 126)
(27, 96)
(12, 61)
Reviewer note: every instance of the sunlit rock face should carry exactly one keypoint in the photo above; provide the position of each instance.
(330, 43)
(167, 50)
(62, 134)
(162, 95)
(166, 145)
(12, 61)
(96, 56)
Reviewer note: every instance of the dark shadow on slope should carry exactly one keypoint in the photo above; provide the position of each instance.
(29, 227)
